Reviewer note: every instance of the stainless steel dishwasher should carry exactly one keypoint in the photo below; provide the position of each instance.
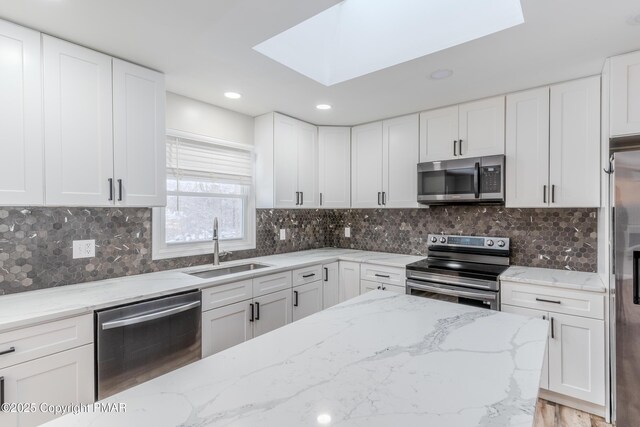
(141, 341)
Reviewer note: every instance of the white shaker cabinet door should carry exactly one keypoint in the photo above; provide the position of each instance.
(21, 139)
(285, 141)
(481, 128)
(77, 125)
(60, 379)
(307, 299)
(527, 149)
(334, 145)
(272, 311)
(400, 162)
(625, 94)
(439, 134)
(225, 327)
(308, 165)
(139, 135)
(367, 285)
(331, 283)
(576, 358)
(349, 280)
(574, 153)
(366, 166)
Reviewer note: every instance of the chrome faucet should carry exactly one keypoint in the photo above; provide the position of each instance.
(216, 249)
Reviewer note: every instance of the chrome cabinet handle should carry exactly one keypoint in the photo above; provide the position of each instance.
(544, 194)
(119, 190)
(110, 189)
(454, 147)
(295, 298)
(149, 316)
(10, 350)
(252, 314)
(548, 300)
(382, 275)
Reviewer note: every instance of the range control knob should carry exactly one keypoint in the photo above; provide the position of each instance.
(489, 242)
(434, 239)
(501, 243)
(443, 240)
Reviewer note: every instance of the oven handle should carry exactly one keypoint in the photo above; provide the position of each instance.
(450, 292)
(149, 316)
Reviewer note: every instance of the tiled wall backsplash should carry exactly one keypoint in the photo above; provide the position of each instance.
(36, 243)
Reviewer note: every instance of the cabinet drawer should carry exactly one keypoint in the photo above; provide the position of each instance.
(307, 275)
(218, 296)
(585, 304)
(271, 283)
(43, 340)
(381, 274)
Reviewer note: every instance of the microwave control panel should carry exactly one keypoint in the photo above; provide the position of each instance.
(491, 181)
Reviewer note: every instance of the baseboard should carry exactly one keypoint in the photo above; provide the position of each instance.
(571, 402)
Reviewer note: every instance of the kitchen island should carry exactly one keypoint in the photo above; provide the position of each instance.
(379, 359)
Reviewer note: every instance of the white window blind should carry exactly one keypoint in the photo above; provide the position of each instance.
(186, 157)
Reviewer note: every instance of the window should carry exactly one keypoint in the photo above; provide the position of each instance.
(206, 179)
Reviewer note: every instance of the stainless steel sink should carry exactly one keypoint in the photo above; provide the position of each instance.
(223, 271)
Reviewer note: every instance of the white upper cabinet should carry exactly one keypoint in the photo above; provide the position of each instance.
(527, 148)
(139, 135)
(77, 125)
(21, 161)
(467, 130)
(334, 144)
(481, 125)
(438, 134)
(400, 160)
(366, 165)
(287, 156)
(553, 146)
(625, 94)
(574, 155)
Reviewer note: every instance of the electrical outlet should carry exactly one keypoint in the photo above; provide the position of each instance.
(84, 249)
(283, 233)
(347, 232)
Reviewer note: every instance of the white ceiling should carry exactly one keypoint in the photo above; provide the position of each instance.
(205, 49)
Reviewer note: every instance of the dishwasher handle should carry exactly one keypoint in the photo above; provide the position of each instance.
(146, 317)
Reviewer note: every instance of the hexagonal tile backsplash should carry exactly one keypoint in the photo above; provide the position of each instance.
(36, 243)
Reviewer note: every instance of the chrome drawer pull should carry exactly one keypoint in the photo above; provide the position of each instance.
(149, 316)
(11, 350)
(548, 300)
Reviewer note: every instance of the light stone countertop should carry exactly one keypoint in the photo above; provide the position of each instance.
(379, 359)
(566, 279)
(32, 307)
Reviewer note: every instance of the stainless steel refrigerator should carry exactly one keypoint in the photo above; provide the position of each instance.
(625, 288)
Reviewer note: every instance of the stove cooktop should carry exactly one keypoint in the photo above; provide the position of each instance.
(466, 269)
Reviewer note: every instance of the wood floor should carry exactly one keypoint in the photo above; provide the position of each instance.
(549, 414)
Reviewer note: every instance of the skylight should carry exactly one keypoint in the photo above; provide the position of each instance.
(358, 37)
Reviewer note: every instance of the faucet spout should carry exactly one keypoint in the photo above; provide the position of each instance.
(216, 249)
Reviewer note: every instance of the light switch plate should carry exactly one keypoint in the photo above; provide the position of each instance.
(283, 233)
(84, 249)
(347, 232)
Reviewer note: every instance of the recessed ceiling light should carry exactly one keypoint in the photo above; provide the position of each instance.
(441, 74)
(324, 419)
(232, 95)
(323, 107)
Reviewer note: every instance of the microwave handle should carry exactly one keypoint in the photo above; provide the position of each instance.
(476, 180)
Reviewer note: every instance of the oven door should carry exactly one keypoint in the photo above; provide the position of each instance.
(455, 294)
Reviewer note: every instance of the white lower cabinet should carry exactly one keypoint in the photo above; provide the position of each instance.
(272, 311)
(307, 299)
(58, 379)
(225, 327)
(331, 284)
(349, 280)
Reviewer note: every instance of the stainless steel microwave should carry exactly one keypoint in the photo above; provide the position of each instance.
(472, 180)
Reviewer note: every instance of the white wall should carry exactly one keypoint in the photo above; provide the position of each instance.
(193, 116)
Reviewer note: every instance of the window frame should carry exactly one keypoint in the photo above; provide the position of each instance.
(160, 249)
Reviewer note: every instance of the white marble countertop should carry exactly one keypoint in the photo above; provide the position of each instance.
(379, 359)
(32, 307)
(556, 278)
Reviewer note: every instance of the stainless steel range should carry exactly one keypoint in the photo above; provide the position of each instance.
(461, 269)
